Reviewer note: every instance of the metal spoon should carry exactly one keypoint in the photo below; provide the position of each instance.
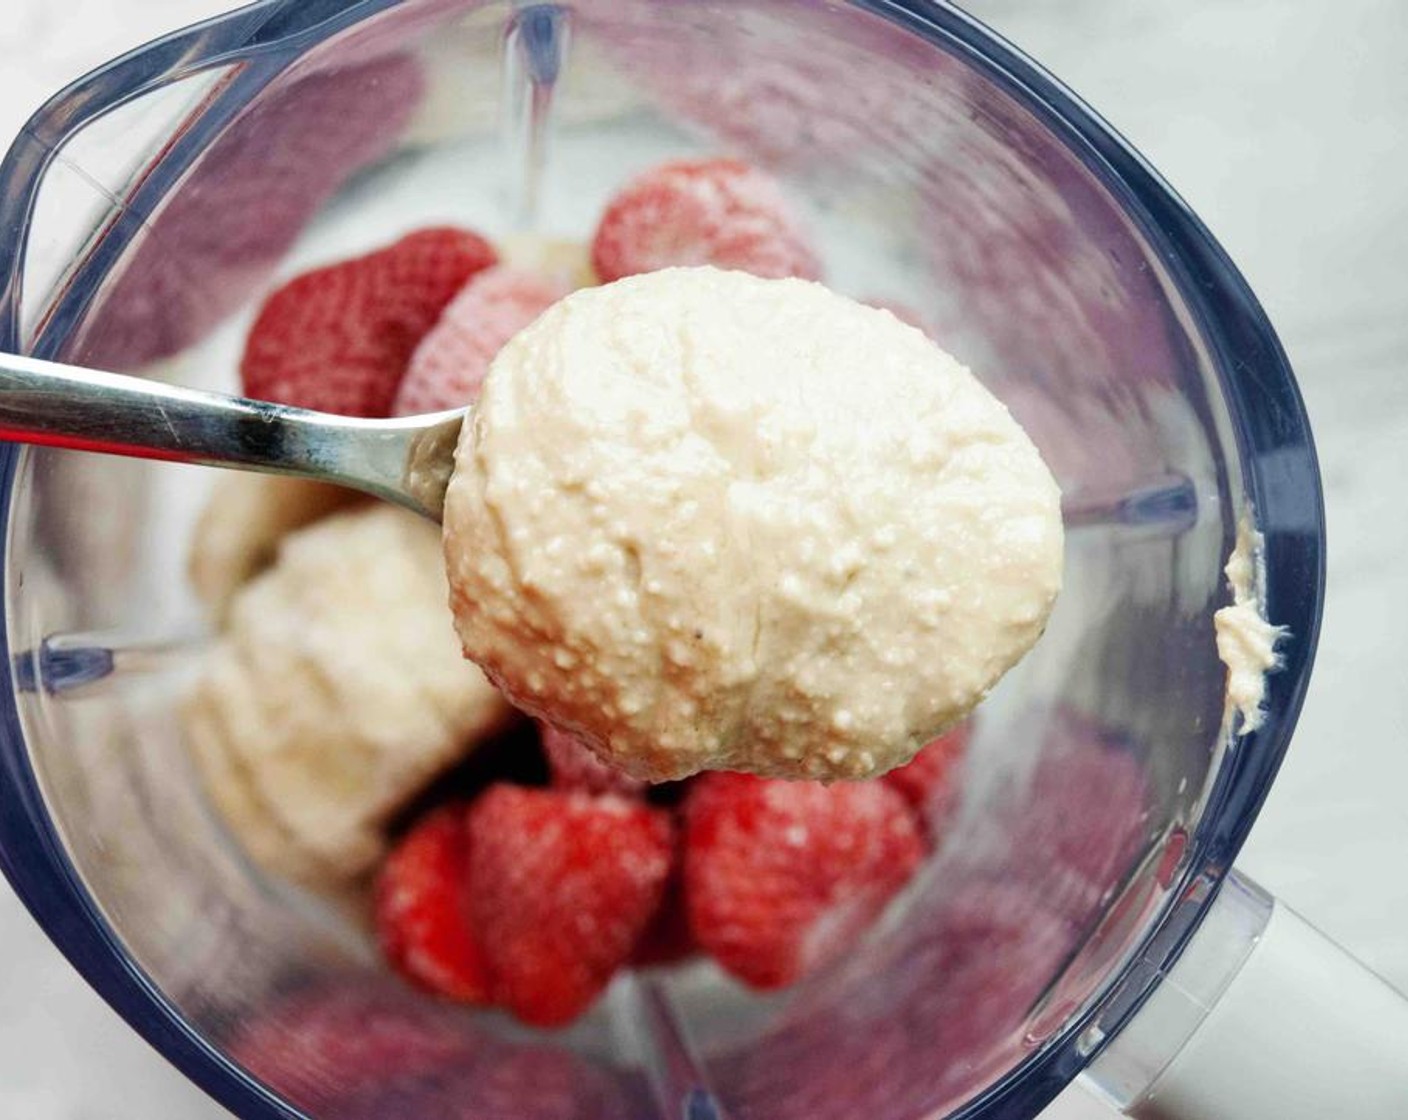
(407, 461)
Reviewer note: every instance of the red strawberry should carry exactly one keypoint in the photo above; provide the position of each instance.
(930, 783)
(565, 883)
(449, 365)
(339, 338)
(695, 212)
(780, 877)
(422, 909)
(575, 766)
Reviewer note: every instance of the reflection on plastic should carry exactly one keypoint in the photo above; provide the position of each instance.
(229, 223)
(356, 1048)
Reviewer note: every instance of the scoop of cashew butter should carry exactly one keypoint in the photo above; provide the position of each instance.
(710, 521)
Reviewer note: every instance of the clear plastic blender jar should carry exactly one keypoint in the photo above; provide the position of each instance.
(150, 205)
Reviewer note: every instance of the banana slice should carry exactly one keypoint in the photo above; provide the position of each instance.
(559, 259)
(231, 791)
(337, 692)
(239, 530)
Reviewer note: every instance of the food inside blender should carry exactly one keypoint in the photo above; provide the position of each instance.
(346, 740)
(710, 521)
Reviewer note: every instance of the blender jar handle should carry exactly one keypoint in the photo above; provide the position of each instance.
(1261, 1018)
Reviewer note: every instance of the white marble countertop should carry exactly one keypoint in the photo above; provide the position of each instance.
(1281, 123)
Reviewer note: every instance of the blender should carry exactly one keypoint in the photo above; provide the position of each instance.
(1084, 915)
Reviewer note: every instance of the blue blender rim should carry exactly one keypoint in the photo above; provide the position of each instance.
(1268, 417)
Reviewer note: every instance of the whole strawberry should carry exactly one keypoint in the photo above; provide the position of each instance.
(422, 909)
(449, 365)
(781, 877)
(565, 884)
(339, 339)
(719, 212)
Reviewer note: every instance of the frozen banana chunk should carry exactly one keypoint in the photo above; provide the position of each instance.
(230, 789)
(337, 692)
(238, 533)
(560, 260)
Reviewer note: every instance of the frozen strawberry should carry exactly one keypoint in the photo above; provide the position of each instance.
(575, 766)
(565, 883)
(339, 338)
(930, 784)
(449, 365)
(323, 1043)
(695, 212)
(780, 877)
(422, 909)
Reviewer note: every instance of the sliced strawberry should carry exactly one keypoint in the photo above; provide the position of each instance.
(422, 909)
(781, 877)
(339, 338)
(930, 783)
(575, 766)
(696, 212)
(449, 365)
(565, 883)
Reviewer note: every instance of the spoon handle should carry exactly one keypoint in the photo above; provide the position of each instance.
(406, 461)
